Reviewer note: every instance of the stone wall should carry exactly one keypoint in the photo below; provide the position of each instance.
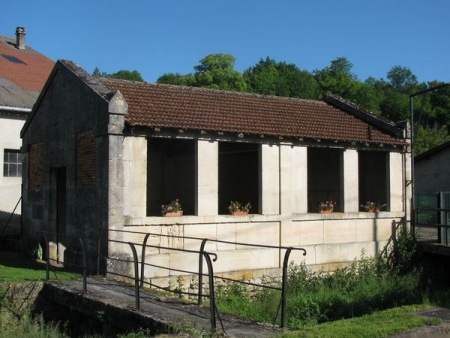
(331, 241)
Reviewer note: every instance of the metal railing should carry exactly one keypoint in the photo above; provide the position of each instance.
(423, 226)
(138, 267)
(48, 260)
(137, 281)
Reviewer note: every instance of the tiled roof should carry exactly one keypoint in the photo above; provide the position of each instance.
(190, 108)
(23, 74)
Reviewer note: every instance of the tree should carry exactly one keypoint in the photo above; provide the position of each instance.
(217, 71)
(363, 94)
(427, 138)
(393, 95)
(337, 79)
(279, 78)
(177, 79)
(402, 79)
(121, 74)
(395, 106)
(214, 71)
(342, 66)
(440, 102)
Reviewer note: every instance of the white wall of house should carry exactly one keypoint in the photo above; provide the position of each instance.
(10, 187)
(330, 240)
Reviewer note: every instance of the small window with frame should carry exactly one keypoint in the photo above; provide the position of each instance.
(12, 163)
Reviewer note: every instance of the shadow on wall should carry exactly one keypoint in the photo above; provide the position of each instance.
(9, 223)
(389, 250)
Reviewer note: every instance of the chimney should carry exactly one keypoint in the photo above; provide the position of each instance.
(20, 37)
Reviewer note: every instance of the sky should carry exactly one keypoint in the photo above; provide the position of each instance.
(156, 37)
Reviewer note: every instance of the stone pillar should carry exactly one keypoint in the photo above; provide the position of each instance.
(395, 182)
(135, 176)
(117, 109)
(270, 179)
(350, 177)
(293, 179)
(207, 189)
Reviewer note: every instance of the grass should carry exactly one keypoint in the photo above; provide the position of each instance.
(17, 267)
(377, 325)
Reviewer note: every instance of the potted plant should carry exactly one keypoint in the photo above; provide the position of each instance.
(172, 209)
(326, 207)
(237, 208)
(371, 206)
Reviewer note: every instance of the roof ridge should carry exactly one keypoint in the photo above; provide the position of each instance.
(90, 80)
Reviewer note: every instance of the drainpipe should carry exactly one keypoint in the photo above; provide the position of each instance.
(406, 180)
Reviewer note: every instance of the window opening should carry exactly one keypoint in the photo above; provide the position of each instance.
(373, 177)
(324, 177)
(170, 174)
(238, 175)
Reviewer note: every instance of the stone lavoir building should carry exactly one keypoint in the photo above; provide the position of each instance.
(105, 154)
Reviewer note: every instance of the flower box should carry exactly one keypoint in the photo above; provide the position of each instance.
(239, 213)
(172, 209)
(372, 206)
(237, 209)
(326, 207)
(172, 214)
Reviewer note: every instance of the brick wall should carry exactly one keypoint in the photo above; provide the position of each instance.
(36, 165)
(86, 160)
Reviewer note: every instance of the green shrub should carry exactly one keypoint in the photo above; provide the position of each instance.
(26, 326)
(405, 256)
(367, 285)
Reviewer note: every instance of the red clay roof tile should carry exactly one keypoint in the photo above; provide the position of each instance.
(27, 70)
(191, 108)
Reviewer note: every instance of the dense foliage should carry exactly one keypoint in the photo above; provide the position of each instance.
(121, 74)
(388, 97)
